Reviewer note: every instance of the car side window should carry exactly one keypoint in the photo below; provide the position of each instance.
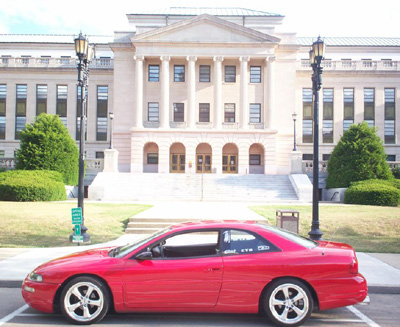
(188, 245)
(242, 242)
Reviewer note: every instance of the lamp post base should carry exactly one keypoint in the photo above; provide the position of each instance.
(315, 234)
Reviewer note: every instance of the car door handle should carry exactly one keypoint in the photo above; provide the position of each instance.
(211, 269)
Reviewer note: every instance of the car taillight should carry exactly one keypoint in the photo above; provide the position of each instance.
(354, 266)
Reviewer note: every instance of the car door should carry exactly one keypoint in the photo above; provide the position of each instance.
(190, 277)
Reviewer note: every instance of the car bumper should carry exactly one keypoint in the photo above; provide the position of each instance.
(39, 296)
(342, 292)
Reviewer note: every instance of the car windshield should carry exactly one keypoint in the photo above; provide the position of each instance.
(124, 250)
(300, 240)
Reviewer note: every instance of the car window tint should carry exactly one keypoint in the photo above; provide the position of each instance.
(242, 242)
(188, 245)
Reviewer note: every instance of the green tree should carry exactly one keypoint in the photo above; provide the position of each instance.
(47, 145)
(358, 156)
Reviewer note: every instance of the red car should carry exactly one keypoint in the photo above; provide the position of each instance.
(227, 267)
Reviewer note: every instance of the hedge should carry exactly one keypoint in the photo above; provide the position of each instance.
(31, 185)
(373, 192)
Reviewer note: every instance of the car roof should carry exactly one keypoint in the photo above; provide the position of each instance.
(209, 224)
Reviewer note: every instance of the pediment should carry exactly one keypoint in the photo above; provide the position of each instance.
(204, 29)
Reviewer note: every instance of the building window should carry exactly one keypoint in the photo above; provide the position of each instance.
(369, 106)
(255, 74)
(154, 73)
(78, 114)
(204, 73)
(2, 153)
(307, 116)
(348, 111)
(179, 73)
(229, 113)
(20, 112)
(61, 107)
(41, 99)
(255, 113)
(152, 158)
(326, 157)
(153, 112)
(230, 74)
(390, 116)
(391, 157)
(204, 112)
(3, 96)
(99, 155)
(102, 113)
(255, 160)
(308, 156)
(327, 125)
(179, 112)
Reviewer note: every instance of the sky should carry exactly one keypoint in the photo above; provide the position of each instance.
(306, 17)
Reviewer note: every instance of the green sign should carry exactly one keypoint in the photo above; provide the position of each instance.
(76, 216)
(78, 230)
(77, 238)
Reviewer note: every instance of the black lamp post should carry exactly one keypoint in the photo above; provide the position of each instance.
(294, 116)
(317, 53)
(84, 53)
(111, 116)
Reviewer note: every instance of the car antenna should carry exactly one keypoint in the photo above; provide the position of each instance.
(330, 239)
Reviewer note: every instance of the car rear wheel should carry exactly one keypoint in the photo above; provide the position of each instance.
(288, 302)
(85, 300)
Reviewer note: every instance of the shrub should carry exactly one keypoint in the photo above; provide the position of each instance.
(373, 192)
(359, 155)
(47, 145)
(396, 172)
(31, 185)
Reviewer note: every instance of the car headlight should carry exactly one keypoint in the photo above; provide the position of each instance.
(34, 277)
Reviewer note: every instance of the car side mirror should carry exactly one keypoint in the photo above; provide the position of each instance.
(146, 255)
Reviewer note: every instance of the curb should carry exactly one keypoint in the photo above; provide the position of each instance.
(374, 289)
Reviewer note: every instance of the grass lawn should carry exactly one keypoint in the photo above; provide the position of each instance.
(47, 224)
(366, 228)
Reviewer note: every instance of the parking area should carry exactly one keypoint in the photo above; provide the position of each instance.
(382, 312)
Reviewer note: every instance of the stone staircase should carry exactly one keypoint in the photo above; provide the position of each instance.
(192, 187)
(151, 225)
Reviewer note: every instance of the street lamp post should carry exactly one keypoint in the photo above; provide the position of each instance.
(316, 55)
(84, 53)
(294, 116)
(111, 116)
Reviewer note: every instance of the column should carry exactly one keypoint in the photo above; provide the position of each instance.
(164, 105)
(139, 91)
(270, 92)
(218, 110)
(244, 93)
(191, 91)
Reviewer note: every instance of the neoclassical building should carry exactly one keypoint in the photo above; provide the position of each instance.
(203, 90)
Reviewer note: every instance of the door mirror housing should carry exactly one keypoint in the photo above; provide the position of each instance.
(146, 255)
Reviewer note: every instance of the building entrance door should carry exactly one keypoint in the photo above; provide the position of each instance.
(229, 164)
(203, 163)
(177, 163)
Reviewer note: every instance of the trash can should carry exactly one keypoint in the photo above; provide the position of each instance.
(288, 219)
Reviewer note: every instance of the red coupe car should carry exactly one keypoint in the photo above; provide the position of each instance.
(226, 267)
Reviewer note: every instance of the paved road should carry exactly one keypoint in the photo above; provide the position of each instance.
(382, 312)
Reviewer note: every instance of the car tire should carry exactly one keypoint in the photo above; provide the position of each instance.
(85, 300)
(288, 302)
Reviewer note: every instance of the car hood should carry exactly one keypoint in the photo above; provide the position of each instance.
(75, 261)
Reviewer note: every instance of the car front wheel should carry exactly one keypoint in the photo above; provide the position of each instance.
(85, 300)
(288, 302)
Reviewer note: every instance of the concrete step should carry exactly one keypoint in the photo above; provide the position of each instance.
(192, 187)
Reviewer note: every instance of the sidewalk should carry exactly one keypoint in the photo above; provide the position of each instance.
(382, 271)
